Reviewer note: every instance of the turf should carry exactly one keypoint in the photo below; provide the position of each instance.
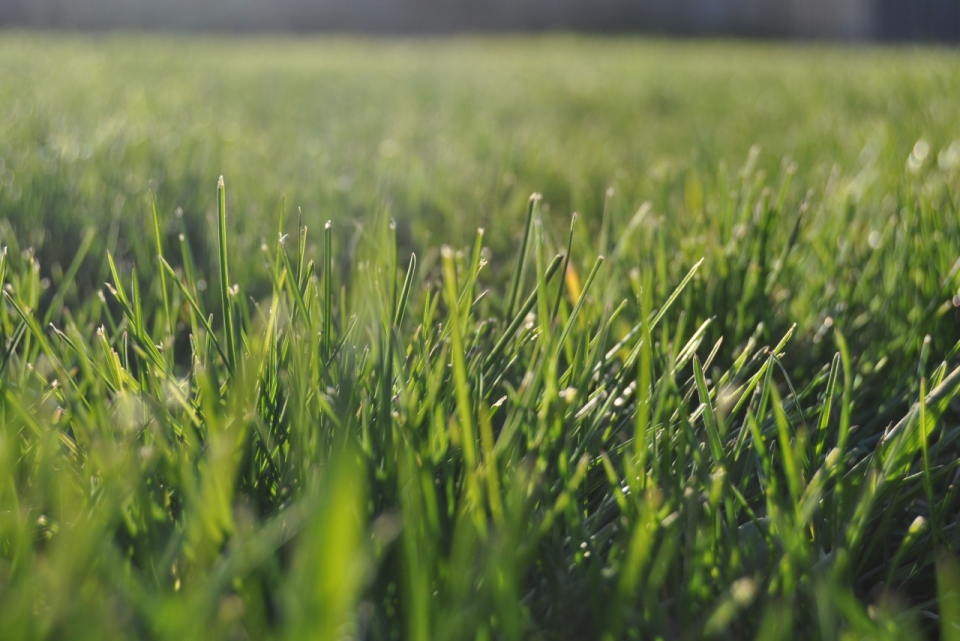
(717, 402)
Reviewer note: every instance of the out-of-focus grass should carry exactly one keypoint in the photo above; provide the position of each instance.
(445, 135)
(720, 404)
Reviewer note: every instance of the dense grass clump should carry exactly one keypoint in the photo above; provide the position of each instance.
(719, 403)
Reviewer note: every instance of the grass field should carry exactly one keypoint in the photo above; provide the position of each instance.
(718, 401)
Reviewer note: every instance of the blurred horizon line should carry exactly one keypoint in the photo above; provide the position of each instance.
(864, 20)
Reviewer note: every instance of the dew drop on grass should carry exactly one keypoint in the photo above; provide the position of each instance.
(918, 155)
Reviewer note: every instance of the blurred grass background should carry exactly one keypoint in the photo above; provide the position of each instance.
(448, 135)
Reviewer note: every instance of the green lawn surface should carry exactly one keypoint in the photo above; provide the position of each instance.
(701, 385)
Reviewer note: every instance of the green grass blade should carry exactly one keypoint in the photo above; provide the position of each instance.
(158, 241)
(226, 305)
(514, 292)
(709, 418)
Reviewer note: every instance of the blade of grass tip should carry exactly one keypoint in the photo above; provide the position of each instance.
(546, 372)
(583, 296)
(405, 292)
(300, 303)
(626, 236)
(301, 247)
(644, 381)
(606, 222)
(845, 403)
(466, 299)
(938, 375)
(790, 467)
(163, 276)
(924, 356)
(305, 289)
(793, 391)
(709, 418)
(755, 379)
(140, 333)
(540, 263)
(913, 532)
(392, 266)
(514, 291)
(271, 325)
(690, 348)
(925, 451)
(676, 293)
(224, 274)
(282, 216)
(134, 313)
(27, 317)
(827, 406)
(712, 355)
(138, 326)
(119, 292)
(476, 258)
(343, 309)
(462, 386)
(566, 263)
(327, 284)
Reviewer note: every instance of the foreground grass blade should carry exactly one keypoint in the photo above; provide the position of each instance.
(226, 306)
(514, 292)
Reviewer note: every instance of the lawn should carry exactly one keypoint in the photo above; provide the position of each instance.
(701, 384)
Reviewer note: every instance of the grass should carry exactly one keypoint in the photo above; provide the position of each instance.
(720, 402)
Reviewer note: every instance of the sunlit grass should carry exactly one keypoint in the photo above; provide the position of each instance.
(720, 402)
